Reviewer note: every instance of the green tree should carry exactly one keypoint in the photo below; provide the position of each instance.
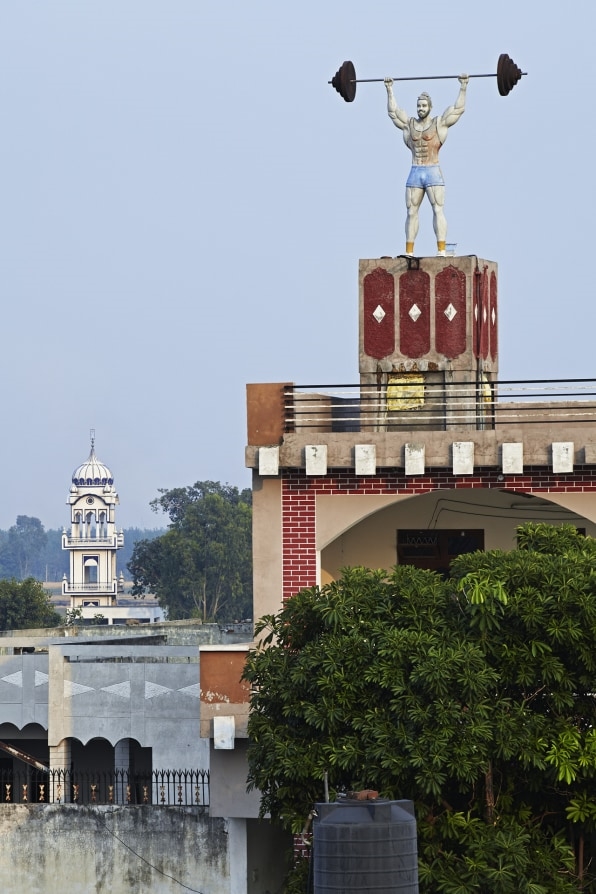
(473, 696)
(202, 566)
(25, 604)
(21, 551)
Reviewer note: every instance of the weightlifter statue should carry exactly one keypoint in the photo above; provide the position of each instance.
(424, 136)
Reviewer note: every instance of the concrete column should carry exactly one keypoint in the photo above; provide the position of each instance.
(238, 856)
(122, 768)
(59, 783)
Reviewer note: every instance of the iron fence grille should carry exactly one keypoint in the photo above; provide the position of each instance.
(180, 788)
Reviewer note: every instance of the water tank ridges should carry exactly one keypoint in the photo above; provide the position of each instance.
(367, 846)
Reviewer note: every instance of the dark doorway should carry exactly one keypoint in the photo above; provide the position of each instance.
(435, 550)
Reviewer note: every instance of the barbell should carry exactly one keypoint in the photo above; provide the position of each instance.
(345, 80)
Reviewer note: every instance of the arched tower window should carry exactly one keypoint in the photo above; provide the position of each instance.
(90, 566)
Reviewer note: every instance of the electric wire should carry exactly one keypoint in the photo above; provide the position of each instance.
(144, 860)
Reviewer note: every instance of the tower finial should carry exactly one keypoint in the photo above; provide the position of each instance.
(92, 436)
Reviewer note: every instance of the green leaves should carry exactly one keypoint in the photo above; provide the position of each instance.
(25, 604)
(202, 566)
(474, 696)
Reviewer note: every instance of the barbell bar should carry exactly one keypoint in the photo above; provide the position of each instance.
(345, 80)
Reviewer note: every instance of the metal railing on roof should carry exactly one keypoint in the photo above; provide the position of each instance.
(415, 401)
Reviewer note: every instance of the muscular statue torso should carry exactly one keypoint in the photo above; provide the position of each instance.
(424, 137)
(424, 144)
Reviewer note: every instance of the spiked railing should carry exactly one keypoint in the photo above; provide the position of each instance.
(165, 788)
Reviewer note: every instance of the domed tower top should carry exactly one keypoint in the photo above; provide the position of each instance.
(93, 477)
(92, 473)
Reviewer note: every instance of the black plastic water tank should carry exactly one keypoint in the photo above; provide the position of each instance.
(365, 846)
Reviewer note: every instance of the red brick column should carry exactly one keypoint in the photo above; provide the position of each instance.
(299, 545)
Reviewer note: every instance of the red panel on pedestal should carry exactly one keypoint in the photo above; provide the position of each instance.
(476, 314)
(494, 318)
(414, 313)
(379, 313)
(450, 312)
(485, 322)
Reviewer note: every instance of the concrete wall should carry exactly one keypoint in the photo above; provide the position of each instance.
(46, 849)
(267, 545)
(227, 791)
(49, 849)
(128, 691)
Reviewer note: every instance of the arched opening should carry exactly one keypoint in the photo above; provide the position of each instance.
(90, 570)
(453, 520)
(90, 524)
(23, 756)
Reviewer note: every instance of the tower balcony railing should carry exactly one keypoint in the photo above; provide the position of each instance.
(109, 588)
(113, 541)
(414, 402)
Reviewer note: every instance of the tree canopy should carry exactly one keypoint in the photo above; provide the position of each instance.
(22, 548)
(475, 696)
(25, 604)
(202, 566)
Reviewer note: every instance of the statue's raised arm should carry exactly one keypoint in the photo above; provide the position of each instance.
(452, 114)
(397, 115)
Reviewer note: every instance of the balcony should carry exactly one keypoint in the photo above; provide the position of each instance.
(115, 541)
(102, 588)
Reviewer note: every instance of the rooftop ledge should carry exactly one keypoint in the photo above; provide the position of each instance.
(417, 415)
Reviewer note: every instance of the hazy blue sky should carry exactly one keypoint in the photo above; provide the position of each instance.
(184, 201)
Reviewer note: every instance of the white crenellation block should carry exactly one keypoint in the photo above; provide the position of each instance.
(365, 459)
(563, 453)
(414, 458)
(315, 456)
(463, 457)
(268, 460)
(512, 458)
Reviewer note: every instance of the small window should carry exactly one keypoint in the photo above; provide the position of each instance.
(435, 550)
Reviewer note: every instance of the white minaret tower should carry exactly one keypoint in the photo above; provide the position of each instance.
(93, 539)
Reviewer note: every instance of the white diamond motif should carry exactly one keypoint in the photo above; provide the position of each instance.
(379, 314)
(71, 689)
(153, 689)
(40, 678)
(484, 315)
(15, 679)
(194, 690)
(121, 689)
(476, 312)
(414, 312)
(493, 316)
(450, 312)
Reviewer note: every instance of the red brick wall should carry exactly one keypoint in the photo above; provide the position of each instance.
(299, 493)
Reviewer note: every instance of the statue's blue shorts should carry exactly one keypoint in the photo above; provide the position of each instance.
(422, 176)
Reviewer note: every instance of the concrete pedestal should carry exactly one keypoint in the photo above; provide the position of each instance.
(428, 345)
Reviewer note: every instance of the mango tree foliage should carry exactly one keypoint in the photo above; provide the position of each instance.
(475, 696)
(202, 566)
